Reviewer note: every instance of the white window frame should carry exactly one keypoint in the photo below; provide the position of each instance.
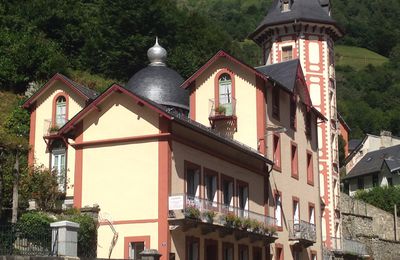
(61, 111)
(59, 167)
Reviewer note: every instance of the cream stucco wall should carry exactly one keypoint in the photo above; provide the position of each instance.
(44, 110)
(115, 175)
(119, 117)
(245, 94)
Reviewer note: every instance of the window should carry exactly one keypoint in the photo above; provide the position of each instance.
(192, 248)
(375, 180)
(243, 198)
(293, 109)
(277, 152)
(227, 251)
(296, 254)
(134, 249)
(360, 183)
(296, 211)
(311, 213)
(278, 209)
(313, 255)
(257, 253)
(278, 252)
(243, 252)
(275, 103)
(267, 55)
(310, 170)
(286, 5)
(225, 89)
(294, 159)
(61, 111)
(192, 180)
(210, 187)
(227, 193)
(287, 53)
(58, 164)
(211, 249)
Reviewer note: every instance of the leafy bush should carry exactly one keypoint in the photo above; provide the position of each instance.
(35, 226)
(87, 235)
(381, 197)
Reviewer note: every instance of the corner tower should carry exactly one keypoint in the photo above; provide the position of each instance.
(304, 29)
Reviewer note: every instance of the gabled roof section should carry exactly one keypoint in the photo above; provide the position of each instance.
(86, 93)
(220, 55)
(70, 125)
(372, 162)
(300, 11)
(343, 122)
(284, 73)
(288, 75)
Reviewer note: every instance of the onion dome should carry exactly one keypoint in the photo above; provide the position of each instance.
(159, 83)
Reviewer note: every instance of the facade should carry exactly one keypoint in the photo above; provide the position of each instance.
(232, 162)
(306, 31)
(368, 144)
(377, 168)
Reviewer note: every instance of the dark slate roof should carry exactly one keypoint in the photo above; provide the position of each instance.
(353, 143)
(283, 73)
(89, 93)
(301, 10)
(161, 85)
(372, 162)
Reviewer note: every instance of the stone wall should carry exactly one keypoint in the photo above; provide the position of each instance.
(370, 225)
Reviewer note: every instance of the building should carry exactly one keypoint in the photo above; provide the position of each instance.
(226, 162)
(359, 148)
(377, 168)
(304, 29)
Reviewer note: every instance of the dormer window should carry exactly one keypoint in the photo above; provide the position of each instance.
(286, 5)
(225, 89)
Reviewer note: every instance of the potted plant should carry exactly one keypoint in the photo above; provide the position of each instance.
(256, 226)
(237, 223)
(192, 212)
(245, 224)
(220, 110)
(229, 219)
(209, 216)
(53, 129)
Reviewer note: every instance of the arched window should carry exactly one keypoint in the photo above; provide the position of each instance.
(225, 89)
(61, 111)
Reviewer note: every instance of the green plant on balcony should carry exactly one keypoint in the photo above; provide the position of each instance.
(269, 230)
(220, 110)
(237, 223)
(53, 129)
(246, 223)
(256, 226)
(209, 216)
(192, 212)
(229, 219)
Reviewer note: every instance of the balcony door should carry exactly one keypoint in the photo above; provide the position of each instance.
(211, 250)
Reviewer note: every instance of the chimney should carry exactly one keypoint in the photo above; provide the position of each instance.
(386, 139)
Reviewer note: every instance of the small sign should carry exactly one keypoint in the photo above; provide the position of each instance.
(175, 202)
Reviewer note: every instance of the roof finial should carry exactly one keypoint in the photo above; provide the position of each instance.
(157, 55)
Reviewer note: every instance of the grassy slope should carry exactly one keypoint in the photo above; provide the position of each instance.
(357, 57)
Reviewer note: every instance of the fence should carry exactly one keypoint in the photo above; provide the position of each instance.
(17, 241)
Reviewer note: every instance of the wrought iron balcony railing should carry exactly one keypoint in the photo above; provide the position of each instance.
(222, 110)
(221, 214)
(349, 246)
(50, 127)
(302, 230)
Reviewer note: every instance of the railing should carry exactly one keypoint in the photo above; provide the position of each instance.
(349, 246)
(17, 241)
(201, 209)
(302, 230)
(50, 127)
(222, 110)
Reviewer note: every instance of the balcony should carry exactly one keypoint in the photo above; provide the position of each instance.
(50, 127)
(187, 212)
(222, 112)
(302, 232)
(344, 246)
